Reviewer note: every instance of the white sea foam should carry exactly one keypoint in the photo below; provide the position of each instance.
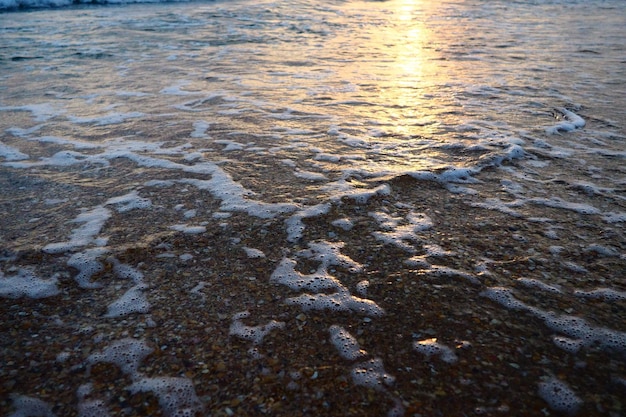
(534, 283)
(41, 112)
(127, 354)
(130, 201)
(342, 300)
(559, 396)
(187, 229)
(404, 235)
(254, 334)
(372, 374)
(26, 406)
(88, 265)
(571, 121)
(607, 294)
(26, 284)
(253, 253)
(295, 225)
(10, 153)
(108, 119)
(347, 346)
(132, 301)
(432, 348)
(93, 222)
(177, 395)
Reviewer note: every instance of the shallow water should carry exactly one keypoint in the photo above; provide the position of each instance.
(348, 208)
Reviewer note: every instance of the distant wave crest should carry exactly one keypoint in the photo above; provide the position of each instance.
(15, 5)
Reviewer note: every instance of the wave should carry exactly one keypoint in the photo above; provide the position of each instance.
(18, 5)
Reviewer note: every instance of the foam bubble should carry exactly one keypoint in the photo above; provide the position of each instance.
(189, 230)
(26, 284)
(361, 287)
(339, 301)
(535, 283)
(567, 344)
(88, 265)
(40, 112)
(132, 301)
(10, 153)
(559, 396)
(108, 119)
(93, 408)
(130, 201)
(345, 224)
(124, 271)
(556, 202)
(571, 121)
(372, 374)
(255, 334)
(504, 296)
(177, 396)
(93, 222)
(127, 354)
(445, 271)
(430, 348)
(295, 226)
(328, 253)
(233, 194)
(253, 253)
(286, 274)
(29, 406)
(608, 294)
(344, 189)
(311, 176)
(200, 127)
(347, 346)
(399, 235)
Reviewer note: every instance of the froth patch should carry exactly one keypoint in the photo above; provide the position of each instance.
(132, 301)
(504, 296)
(286, 274)
(372, 374)
(345, 224)
(607, 294)
(571, 121)
(253, 253)
(559, 396)
(189, 230)
(400, 235)
(567, 344)
(30, 406)
(177, 396)
(108, 119)
(535, 283)
(93, 221)
(295, 225)
(328, 253)
(344, 189)
(88, 265)
(255, 334)
(127, 354)
(10, 153)
(339, 301)
(346, 344)
(26, 284)
(93, 408)
(124, 271)
(431, 348)
(130, 201)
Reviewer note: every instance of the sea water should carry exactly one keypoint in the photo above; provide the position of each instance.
(313, 208)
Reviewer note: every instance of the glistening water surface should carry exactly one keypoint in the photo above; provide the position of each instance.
(313, 208)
